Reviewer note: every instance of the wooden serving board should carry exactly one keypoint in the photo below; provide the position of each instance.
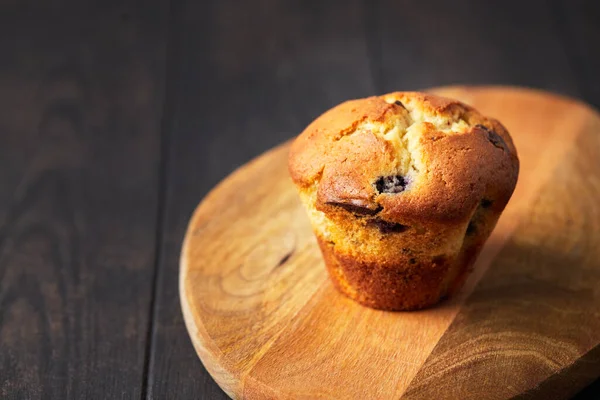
(268, 324)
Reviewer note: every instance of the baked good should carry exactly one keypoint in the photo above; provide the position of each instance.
(402, 191)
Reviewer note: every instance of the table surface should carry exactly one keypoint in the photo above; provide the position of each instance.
(117, 117)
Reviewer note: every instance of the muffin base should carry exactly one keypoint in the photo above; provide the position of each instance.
(400, 286)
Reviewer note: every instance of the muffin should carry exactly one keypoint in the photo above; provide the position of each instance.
(402, 191)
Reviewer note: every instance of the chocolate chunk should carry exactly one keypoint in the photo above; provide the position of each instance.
(471, 228)
(478, 215)
(399, 103)
(493, 137)
(387, 226)
(496, 140)
(485, 128)
(391, 184)
(356, 209)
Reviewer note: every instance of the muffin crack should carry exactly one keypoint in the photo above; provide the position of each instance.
(397, 133)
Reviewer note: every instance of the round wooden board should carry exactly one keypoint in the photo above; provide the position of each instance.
(268, 324)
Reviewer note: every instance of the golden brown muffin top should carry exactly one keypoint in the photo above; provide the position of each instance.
(405, 155)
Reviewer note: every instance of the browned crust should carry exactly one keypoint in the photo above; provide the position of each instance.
(307, 158)
(386, 286)
(462, 168)
(407, 284)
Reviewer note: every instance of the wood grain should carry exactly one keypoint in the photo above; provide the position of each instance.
(80, 102)
(267, 323)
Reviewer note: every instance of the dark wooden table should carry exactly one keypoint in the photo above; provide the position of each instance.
(117, 117)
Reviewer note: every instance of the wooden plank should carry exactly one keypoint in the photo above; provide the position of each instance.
(578, 22)
(248, 75)
(80, 106)
(434, 43)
